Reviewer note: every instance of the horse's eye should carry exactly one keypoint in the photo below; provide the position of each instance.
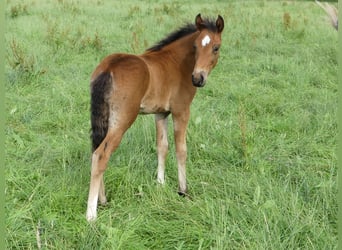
(216, 49)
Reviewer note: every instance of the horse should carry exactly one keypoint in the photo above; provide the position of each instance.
(161, 81)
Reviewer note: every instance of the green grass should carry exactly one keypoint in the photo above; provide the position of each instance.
(261, 139)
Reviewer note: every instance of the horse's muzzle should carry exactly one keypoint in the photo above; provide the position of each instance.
(198, 80)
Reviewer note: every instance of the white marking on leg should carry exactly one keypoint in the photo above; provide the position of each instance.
(162, 146)
(161, 174)
(162, 152)
(181, 158)
(205, 41)
(182, 179)
(102, 194)
(91, 209)
(95, 182)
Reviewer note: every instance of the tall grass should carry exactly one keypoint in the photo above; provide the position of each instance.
(261, 139)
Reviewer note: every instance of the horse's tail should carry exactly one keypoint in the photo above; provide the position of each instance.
(100, 90)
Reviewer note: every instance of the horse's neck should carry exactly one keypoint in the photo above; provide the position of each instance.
(180, 53)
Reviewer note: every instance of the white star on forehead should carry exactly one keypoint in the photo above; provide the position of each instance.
(205, 41)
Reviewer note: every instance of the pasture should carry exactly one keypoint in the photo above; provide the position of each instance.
(261, 165)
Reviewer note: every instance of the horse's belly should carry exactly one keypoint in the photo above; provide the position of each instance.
(153, 108)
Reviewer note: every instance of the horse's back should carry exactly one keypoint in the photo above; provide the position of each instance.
(126, 69)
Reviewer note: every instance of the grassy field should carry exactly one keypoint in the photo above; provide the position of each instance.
(261, 139)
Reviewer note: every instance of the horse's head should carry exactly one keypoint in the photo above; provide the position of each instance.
(207, 47)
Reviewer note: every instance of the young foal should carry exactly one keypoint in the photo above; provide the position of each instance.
(161, 81)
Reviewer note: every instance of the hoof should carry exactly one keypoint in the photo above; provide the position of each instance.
(181, 193)
(161, 181)
(91, 215)
(91, 218)
(184, 194)
(103, 202)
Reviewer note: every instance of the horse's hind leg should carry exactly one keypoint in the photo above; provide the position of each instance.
(162, 145)
(99, 164)
(120, 119)
(102, 194)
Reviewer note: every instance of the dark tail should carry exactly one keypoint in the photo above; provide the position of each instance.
(100, 90)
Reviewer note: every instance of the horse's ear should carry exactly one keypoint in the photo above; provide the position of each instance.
(219, 24)
(199, 22)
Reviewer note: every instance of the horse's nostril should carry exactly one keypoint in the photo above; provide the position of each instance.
(197, 80)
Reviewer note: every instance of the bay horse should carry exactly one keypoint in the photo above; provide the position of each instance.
(160, 81)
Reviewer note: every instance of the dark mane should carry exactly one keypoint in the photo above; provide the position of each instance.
(183, 31)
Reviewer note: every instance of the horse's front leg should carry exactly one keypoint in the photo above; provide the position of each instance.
(162, 145)
(180, 122)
